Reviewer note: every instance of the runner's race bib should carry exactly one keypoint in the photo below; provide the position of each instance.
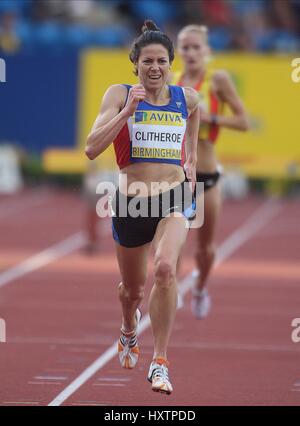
(157, 135)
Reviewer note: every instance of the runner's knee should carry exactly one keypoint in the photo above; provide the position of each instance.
(206, 252)
(132, 292)
(165, 272)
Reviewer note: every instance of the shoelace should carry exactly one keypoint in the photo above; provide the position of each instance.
(160, 372)
(128, 342)
(129, 338)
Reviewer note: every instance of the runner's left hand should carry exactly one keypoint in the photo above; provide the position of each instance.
(190, 171)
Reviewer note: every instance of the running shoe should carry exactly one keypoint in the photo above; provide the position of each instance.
(201, 303)
(180, 301)
(159, 376)
(128, 348)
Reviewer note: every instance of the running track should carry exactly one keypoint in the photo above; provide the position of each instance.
(63, 316)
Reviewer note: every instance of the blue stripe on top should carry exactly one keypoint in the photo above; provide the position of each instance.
(177, 102)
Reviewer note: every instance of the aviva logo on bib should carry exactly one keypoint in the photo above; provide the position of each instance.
(161, 118)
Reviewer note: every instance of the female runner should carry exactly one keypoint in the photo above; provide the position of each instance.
(215, 89)
(154, 129)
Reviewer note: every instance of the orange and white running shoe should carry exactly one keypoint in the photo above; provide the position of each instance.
(159, 376)
(128, 348)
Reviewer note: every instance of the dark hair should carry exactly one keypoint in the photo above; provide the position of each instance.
(151, 34)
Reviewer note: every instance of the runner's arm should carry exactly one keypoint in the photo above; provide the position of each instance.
(109, 121)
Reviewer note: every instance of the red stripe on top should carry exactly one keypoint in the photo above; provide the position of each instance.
(122, 147)
(197, 87)
(182, 161)
(213, 109)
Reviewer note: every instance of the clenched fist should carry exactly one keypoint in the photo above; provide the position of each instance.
(136, 94)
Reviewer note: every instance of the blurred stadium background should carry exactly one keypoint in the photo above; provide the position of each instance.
(61, 55)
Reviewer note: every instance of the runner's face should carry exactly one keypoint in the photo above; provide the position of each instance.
(193, 50)
(153, 66)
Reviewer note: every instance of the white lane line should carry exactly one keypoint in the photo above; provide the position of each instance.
(89, 340)
(237, 347)
(50, 378)
(88, 404)
(114, 379)
(296, 387)
(255, 223)
(43, 258)
(21, 402)
(239, 237)
(117, 385)
(44, 383)
(49, 255)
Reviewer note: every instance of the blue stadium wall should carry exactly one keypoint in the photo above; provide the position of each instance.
(38, 102)
(50, 101)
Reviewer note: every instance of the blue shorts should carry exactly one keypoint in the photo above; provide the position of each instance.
(136, 231)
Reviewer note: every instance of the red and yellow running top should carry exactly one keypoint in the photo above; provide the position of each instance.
(208, 101)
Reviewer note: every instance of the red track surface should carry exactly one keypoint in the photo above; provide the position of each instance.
(61, 317)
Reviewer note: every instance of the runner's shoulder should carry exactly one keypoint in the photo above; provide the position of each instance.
(191, 97)
(116, 94)
(221, 76)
